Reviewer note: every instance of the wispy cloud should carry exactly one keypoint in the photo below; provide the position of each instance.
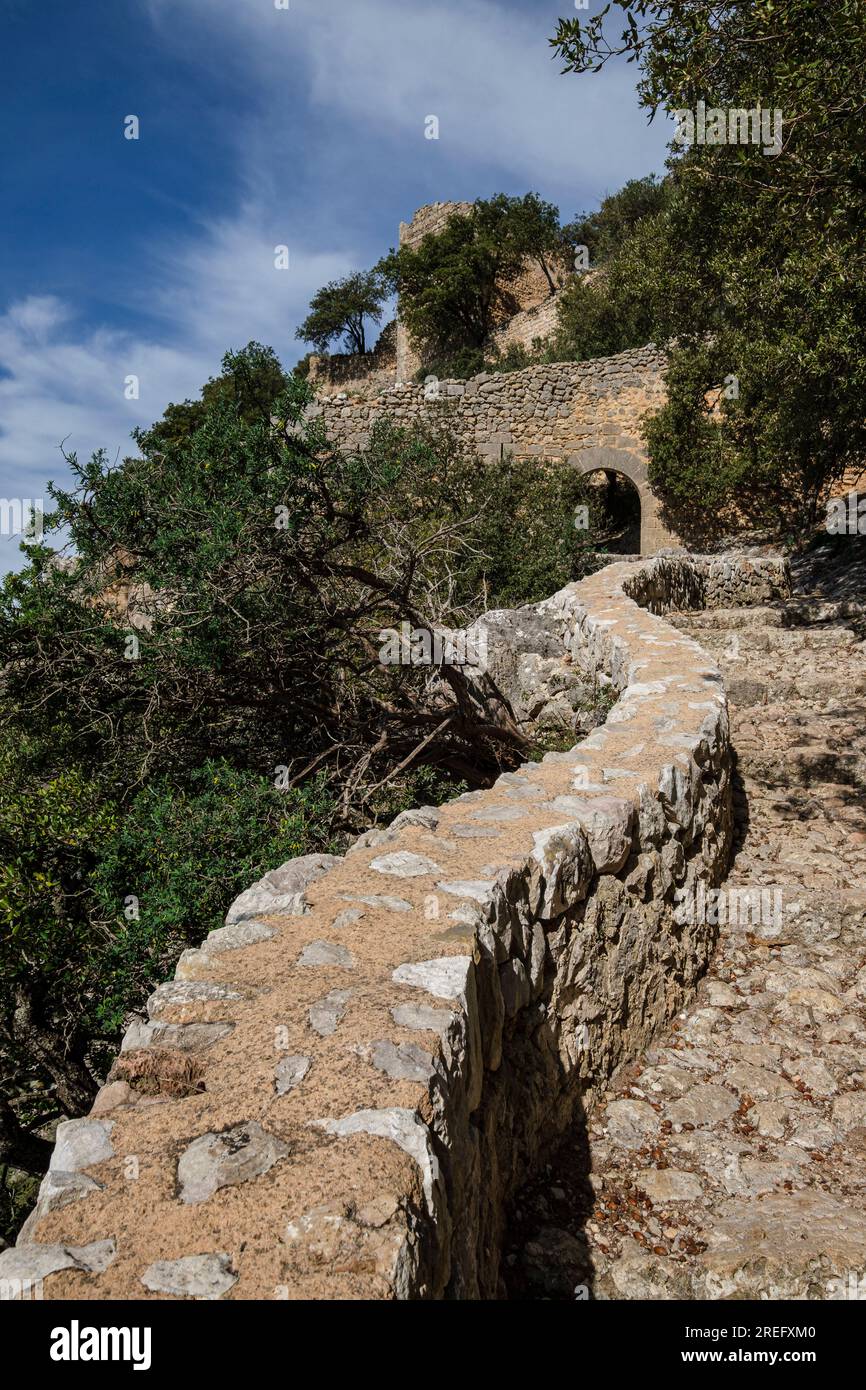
(483, 67)
(62, 381)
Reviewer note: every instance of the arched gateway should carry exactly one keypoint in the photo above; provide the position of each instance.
(588, 413)
(654, 535)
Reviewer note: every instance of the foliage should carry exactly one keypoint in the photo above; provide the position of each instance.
(456, 366)
(250, 381)
(525, 539)
(614, 308)
(184, 852)
(454, 286)
(605, 231)
(194, 694)
(765, 257)
(339, 310)
(98, 897)
(533, 226)
(262, 564)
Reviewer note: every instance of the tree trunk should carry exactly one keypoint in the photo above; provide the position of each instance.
(18, 1148)
(74, 1085)
(543, 263)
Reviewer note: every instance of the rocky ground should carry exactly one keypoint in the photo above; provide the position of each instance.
(731, 1161)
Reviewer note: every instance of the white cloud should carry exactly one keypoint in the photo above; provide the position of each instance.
(224, 288)
(486, 70)
(36, 316)
(60, 382)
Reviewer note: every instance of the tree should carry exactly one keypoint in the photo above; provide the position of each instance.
(340, 308)
(455, 286)
(614, 308)
(195, 692)
(533, 227)
(100, 891)
(250, 379)
(762, 292)
(605, 231)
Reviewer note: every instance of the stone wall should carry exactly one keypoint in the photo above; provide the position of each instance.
(429, 220)
(538, 321)
(342, 1088)
(587, 412)
(357, 372)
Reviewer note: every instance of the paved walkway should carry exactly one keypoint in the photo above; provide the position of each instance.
(731, 1161)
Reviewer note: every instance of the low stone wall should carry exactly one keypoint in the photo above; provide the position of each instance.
(545, 411)
(352, 372)
(708, 581)
(589, 413)
(342, 1088)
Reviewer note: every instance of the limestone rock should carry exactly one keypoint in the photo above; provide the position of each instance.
(631, 1122)
(403, 864)
(786, 1246)
(326, 1014)
(237, 935)
(192, 1276)
(56, 1190)
(326, 953)
(702, 1106)
(221, 1160)
(28, 1264)
(176, 994)
(282, 890)
(606, 822)
(401, 1061)
(422, 1017)
(384, 900)
(445, 977)
(663, 1185)
(80, 1144)
(290, 1072)
(403, 1128)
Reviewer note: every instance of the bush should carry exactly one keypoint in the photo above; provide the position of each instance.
(98, 900)
(183, 853)
(526, 542)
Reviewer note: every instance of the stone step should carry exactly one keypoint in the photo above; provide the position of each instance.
(728, 1162)
(795, 613)
(803, 766)
(832, 802)
(726, 619)
(745, 691)
(814, 688)
(761, 638)
(816, 609)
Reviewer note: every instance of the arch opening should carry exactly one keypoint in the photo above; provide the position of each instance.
(619, 506)
(631, 465)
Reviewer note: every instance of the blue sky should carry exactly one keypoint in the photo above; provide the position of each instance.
(258, 127)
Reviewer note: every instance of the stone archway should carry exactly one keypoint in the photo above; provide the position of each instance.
(654, 535)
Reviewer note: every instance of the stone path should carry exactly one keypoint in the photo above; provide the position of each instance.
(731, 1161)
